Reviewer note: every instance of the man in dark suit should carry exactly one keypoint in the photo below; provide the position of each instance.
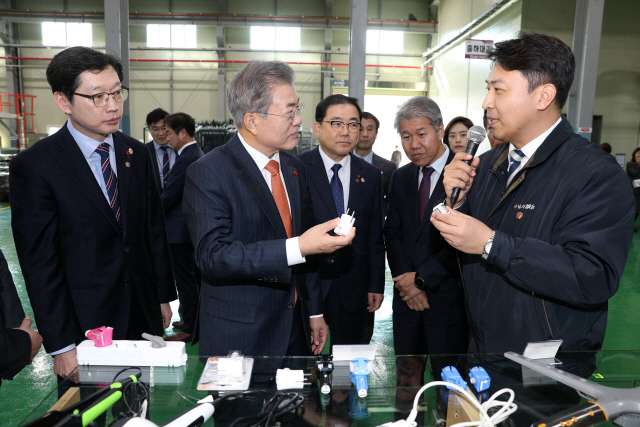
(248, 209)
(428, 305)
(364, 150)
(162, 154)
(19, 344)
(180, 131)
(86, 216)
(352, 277)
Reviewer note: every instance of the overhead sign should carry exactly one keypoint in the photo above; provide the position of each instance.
(476, 49)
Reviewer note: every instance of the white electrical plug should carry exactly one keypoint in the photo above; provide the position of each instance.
(346, 222)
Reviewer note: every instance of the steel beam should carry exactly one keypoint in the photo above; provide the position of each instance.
(357, 49)
(116, 28)
(586, 48)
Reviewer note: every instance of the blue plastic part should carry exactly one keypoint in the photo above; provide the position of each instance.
(479, 378)
(450, 374)
(359, 375)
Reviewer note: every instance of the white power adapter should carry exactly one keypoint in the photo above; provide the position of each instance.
(346, 222)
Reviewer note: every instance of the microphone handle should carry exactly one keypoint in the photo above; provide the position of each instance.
(456, 191)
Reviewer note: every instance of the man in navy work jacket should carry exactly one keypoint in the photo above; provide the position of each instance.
(545, 221)
(248, 210)
(86, 216)
(352, 277)
(180, 129)
(428, 305)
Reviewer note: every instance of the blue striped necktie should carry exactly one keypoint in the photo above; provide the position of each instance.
(516, 157)
(110, 181)
(165, 165)
(337, 190)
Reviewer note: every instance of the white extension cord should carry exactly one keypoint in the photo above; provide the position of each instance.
(506, 408)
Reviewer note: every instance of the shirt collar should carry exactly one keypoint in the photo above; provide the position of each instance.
(439, 164)
(368, 157)
(87, 145)
(532, 146)
(328, 162)
(158, 146)
(185, 146)
(259, 158)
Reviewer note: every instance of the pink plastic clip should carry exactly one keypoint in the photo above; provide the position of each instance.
(102, 336)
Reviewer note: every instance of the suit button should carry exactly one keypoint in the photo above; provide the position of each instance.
(290, 305)
(332, 260)
(126, 249)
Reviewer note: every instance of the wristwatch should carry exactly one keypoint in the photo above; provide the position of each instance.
(487, 246)
(419, 282)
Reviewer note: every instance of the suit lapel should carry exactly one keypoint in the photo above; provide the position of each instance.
(73, 162)
(355, 183)
(318, 177)
(252, 178)
(411, 194)
(124, 178)
(293, 191)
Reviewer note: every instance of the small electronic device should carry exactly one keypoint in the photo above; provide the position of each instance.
(287, 379)
(226, 373)
(451, 375)
(479, 378)
(346, 223)
(132, 353)
(441, 208)
(360, 369)
(324, 365)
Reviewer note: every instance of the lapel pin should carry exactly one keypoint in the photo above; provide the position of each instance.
(129, 152)
(127, 164)
(362, 179)
(295, 173)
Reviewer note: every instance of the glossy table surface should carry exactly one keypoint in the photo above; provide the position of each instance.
(393, 385)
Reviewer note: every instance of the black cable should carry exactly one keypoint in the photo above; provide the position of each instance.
(135, 393)
(279, 406)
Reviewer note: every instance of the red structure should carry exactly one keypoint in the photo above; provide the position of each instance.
(21, 108)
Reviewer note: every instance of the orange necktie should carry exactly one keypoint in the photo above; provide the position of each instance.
(280, 197)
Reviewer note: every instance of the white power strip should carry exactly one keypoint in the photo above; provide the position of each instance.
(132, 353)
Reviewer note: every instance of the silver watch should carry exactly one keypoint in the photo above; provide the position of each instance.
(487, 246)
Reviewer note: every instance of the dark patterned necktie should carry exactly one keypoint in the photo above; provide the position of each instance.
(110, 181)
(337, 190)
(516, 158)
(425, 189)
(165, 165)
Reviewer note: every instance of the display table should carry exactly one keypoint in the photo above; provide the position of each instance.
(392, 388)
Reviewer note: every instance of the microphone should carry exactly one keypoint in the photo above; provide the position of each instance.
(475, 135)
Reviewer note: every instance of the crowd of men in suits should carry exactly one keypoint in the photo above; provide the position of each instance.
(103, 224)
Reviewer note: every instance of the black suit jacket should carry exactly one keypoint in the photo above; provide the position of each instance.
(154, 164)
(247, 296)
(359, 267)
(172, 195)
(387, 168)
(414, 245)
(79, 267)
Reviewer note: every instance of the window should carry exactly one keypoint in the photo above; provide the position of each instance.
(171, 35)
(67, 34)
(381, 41)
(51, 129)
(272, 38)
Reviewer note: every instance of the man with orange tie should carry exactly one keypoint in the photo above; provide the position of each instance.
(248, 211)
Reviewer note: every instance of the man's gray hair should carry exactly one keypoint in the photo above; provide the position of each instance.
(419, 106)
(251, 90)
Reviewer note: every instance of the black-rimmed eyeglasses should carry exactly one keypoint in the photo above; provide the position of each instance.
(337, 125)
(101, 99)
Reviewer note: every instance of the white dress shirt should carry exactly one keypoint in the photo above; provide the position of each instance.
(292, 246)
(344, 173)
(367, 158)
(185, 146)
(529, 149)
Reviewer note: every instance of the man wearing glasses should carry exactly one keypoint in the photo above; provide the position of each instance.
(353, 277)
(159, 147)
(87, 218)
(248, 211)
